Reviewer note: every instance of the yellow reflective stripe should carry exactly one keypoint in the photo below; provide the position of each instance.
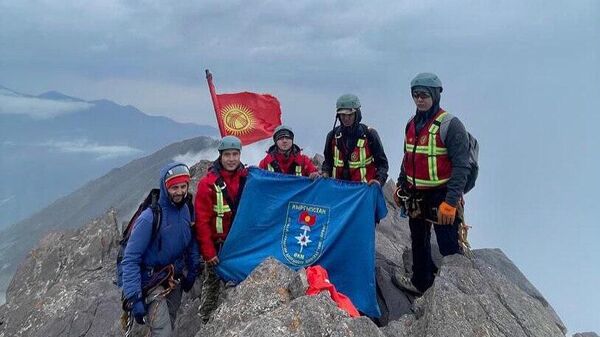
(363, 160)
(427, 183)
(433, 129)
(298, 170)
(337, 162)
(425, 149)
(432, 160)
(359, 164)
(363, 174)
(270, 168)
(220, 208)
(219, 224)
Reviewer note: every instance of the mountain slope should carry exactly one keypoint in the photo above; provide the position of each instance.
(122, 188)
(73, 140)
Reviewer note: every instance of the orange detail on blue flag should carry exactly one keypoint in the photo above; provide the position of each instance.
(307, 218)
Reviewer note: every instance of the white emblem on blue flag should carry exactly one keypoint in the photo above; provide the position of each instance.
(304, 233)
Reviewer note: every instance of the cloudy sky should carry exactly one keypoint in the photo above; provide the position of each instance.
(522, 76)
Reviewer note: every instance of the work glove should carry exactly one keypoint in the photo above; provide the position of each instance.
(446, 214)
(187, 283)
(139, 311)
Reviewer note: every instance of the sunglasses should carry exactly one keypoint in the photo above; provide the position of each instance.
(421, 95)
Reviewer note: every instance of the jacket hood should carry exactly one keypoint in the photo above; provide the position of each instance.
(164, 195)
(357, 120)
(422, 117)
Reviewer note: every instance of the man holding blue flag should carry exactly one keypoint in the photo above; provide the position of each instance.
(217, 199)
(302, 223)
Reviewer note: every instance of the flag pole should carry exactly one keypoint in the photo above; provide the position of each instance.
(215, 101)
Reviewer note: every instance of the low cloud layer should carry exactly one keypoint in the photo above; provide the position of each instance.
(101, 152)
(37, 108)
(251, 154)
(6, 200)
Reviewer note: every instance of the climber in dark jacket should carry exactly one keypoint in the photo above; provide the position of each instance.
(353, 151)
(432, 179)
(157, 269)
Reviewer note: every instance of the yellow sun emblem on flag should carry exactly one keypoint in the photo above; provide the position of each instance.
(237, 118)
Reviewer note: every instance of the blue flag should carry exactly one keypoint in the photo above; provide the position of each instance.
(302, 222)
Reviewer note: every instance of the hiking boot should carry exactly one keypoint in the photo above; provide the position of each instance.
(405, 283)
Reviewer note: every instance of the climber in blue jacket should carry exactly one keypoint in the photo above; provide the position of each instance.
(157, 268)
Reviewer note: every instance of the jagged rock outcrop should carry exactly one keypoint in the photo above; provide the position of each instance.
(471, 298)
(65, 288)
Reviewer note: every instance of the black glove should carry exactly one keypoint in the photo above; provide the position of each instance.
(139, 311)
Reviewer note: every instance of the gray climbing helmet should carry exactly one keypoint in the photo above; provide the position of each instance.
(347, 101)
(230, 143)
(426, 80)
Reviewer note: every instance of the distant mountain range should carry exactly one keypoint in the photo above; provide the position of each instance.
(51, 144)
(122, 189)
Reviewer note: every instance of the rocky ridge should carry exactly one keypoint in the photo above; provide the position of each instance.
(64, 288)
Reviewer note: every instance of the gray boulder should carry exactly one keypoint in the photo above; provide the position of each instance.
(471, 298)
(263, 305)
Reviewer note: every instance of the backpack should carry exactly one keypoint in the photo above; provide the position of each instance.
(473, 152)
(151, 201)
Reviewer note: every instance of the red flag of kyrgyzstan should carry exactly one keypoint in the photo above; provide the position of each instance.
(249, 116)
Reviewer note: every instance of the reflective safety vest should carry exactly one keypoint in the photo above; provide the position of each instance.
(220, 207)
(426, 162)
(361, 166)
(297, 168)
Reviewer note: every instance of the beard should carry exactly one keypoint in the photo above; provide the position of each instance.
(179, 203)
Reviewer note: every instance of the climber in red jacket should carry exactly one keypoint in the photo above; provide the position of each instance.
(286, 157)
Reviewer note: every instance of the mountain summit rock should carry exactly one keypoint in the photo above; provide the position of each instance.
(64, 288)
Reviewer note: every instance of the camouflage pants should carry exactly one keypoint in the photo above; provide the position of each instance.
(211, 285)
